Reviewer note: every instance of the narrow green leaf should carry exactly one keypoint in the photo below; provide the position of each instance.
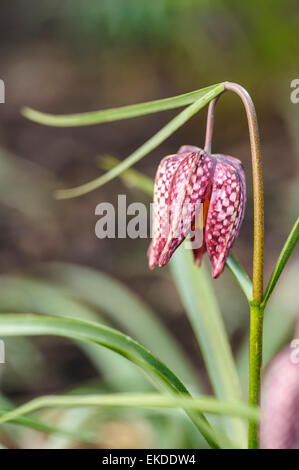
(43, 427)
(124, 307)
(81, 292)
(35, 295)
(115, 114)
(240, 275)
(27, 325)
(145, 148)
(144, 400)
(282, 260)
(201, 306)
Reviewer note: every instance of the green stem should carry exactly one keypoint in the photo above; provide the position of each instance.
(258, 193)
(210, 124)
(255, 365)
(256, 310)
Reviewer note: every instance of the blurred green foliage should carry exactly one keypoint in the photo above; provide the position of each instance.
(255, 36)
(271, 25)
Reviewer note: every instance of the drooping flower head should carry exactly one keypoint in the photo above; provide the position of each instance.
(186, 182)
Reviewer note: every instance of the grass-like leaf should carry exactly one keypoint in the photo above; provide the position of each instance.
(82, 436)
(162, 376)
(282, 260)
(116, 114)
(145, 400)
(37, 296)
(126, 309)
(145, 148)
(240, 275)
(81, 293)
(201, 306)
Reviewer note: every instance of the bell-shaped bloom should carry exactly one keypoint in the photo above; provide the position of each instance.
(197, 193)
(280, 402)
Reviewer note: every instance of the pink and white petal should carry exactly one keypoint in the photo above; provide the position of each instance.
(188, 149)
(163, 179)
(190, 187)
(239, 168)
(226, 211)
(178, 209)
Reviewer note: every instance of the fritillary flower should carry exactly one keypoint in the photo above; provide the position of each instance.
(189, 180)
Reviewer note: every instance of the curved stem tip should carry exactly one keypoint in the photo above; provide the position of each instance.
(256, 310)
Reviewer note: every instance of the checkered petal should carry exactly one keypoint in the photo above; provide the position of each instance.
(226, 210)
(188, 184)
(195, 191)
(180, 205)
(164, 175)
(188, 149)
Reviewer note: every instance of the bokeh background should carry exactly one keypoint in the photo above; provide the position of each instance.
(74, 56)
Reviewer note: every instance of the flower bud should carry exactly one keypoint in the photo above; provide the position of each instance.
(280, 403)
